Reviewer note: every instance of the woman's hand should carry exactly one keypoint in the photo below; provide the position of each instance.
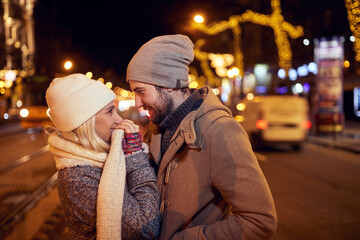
(132, 141)
(128, 126)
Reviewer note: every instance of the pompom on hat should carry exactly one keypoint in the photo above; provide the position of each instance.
(74, 99)
(163, 61)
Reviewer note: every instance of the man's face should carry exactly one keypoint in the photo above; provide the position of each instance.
(157, 102)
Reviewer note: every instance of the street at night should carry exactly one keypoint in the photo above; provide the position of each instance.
(188, 73)
(316, 190)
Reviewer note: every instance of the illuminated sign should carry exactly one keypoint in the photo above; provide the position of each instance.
(329, 57)
(357, 101)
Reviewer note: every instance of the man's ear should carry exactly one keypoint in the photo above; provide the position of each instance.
(169, 90)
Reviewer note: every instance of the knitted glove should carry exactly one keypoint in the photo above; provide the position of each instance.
(131, 143)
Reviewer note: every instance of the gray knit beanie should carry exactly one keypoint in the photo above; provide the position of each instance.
(163, 61)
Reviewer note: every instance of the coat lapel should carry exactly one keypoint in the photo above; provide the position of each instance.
(175, 143)
(154, 147)
(184, 133)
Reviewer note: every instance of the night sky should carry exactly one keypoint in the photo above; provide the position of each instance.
(101, 36)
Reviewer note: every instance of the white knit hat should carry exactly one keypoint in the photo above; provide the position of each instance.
(74, 99)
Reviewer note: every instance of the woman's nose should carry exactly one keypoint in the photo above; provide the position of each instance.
(117, 118)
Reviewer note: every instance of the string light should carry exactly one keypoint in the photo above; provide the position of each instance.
(353, 11)
(282, 30)
(109, 85)
(89, 74)
(203, 58)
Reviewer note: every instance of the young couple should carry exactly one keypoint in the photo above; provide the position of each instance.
(206, 184)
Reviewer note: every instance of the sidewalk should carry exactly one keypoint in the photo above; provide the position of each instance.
(10, 128)
(349, 139)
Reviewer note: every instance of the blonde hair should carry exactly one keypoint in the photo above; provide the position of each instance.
(85, 135)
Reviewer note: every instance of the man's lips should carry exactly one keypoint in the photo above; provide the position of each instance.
(149, 110)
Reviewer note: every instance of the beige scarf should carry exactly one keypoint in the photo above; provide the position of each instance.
(112, 182)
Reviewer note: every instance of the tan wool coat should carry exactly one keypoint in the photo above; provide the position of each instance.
(213, 187)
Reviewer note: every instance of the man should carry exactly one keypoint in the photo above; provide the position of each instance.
(210, 182)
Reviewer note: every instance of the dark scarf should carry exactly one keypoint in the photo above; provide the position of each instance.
(173, 119)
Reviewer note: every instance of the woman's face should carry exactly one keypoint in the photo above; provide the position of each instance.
(105, 121)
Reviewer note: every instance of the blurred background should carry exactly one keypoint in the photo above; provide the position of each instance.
(288, 70)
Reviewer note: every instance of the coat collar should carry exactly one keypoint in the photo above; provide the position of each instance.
(186, 132)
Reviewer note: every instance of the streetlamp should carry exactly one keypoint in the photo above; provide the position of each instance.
(199, 19)
(68, 65)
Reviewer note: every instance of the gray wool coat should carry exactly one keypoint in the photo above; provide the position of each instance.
(78, 187)
(210, 181)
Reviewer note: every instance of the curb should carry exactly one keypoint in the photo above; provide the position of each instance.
(334, 144)
(9, 129)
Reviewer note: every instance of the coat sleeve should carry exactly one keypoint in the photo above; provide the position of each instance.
(77, 188)
(236, 174)
(141, 217)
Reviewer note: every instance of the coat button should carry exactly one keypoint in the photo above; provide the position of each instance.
(167, 174)
(174, 164)
(162, 208)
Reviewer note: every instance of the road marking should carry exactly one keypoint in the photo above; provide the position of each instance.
(24, 159)
(260, 157)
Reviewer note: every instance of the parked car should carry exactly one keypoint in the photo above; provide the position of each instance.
(276, 119)
(34, 116)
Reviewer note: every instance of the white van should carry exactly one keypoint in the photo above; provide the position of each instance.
(276, 119)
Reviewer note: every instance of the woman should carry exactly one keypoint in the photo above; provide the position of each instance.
(106, 185)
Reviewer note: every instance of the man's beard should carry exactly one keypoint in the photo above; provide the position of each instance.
(162, 107)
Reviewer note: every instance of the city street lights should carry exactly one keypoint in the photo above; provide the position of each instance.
(237, 83)
(233, 72)
(199, 19)
(282, 29)
(68, 65)
(89, 74)
(10, 75)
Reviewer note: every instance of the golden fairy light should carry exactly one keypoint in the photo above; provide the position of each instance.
(353, 12)
(89, 74)
(203, 58)
(193, 84)
(109, 85)
(282, 31)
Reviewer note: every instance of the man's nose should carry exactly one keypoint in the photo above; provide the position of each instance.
(138, 102)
